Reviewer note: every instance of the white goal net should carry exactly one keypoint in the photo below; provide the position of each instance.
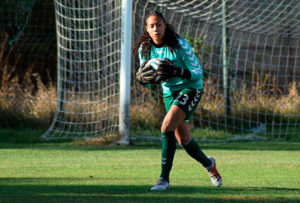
(88, 39)
(249, 51)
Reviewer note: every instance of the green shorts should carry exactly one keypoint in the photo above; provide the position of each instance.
(187, 99)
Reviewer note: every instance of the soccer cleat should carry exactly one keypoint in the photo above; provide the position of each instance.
(161, 184)
(213, 173)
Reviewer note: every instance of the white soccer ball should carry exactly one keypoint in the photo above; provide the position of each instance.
(153, 63)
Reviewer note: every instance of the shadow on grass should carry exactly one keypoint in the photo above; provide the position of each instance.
(234, 146)
(44, 190)
(27, 138)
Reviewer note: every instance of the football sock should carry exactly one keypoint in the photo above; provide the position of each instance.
(167, 154)
(193, 149)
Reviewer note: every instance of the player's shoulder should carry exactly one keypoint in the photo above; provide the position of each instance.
(184, 45)
(182, 42)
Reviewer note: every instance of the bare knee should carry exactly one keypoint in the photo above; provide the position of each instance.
(174, 117)
(183, 140)
(167, 125)
(183, 134)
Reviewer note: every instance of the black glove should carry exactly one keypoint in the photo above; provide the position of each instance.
(167, 70)
(145, 74)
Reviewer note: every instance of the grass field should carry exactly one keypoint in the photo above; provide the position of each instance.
(66, 172)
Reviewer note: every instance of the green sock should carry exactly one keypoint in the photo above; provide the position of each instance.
(193, 149)
(167, 154)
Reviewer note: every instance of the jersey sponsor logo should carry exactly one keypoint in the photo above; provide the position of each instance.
(159, 51)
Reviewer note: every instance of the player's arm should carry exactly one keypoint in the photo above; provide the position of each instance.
(190, 60)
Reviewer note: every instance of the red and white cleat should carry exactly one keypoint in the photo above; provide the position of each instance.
(213, 173)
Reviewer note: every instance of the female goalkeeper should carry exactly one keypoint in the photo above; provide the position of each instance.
(182, 92)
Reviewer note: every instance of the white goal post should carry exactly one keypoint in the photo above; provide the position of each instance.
(249, 51)
(125, 70)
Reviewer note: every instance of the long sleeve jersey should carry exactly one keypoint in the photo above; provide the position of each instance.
(183, 57)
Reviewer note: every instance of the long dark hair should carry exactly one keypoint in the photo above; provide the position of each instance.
(169, 39)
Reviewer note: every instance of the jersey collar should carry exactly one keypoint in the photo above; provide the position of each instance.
(158, 45)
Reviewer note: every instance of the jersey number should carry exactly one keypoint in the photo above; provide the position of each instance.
(182, 100)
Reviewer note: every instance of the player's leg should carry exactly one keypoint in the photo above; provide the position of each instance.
(174, 116)
(190, 145)
(182, 133)
(184, 138)
(180, 108)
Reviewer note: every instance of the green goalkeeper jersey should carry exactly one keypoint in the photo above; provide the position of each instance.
(183, 57)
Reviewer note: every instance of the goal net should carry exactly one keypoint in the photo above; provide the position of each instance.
(88, 48)
(249, 51)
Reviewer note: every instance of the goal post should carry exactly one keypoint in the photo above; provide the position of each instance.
(125, 70)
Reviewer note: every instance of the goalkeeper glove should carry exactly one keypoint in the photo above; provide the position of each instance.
(145, 74)
(168, 70)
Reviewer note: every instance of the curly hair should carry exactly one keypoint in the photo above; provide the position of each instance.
(169, 39)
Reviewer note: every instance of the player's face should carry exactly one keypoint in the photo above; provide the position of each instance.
(156, 28)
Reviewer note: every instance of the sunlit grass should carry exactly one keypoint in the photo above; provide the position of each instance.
(64, 172)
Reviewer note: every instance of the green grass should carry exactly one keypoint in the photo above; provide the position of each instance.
(65, 172)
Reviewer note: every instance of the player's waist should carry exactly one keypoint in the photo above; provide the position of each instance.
(171, 86)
